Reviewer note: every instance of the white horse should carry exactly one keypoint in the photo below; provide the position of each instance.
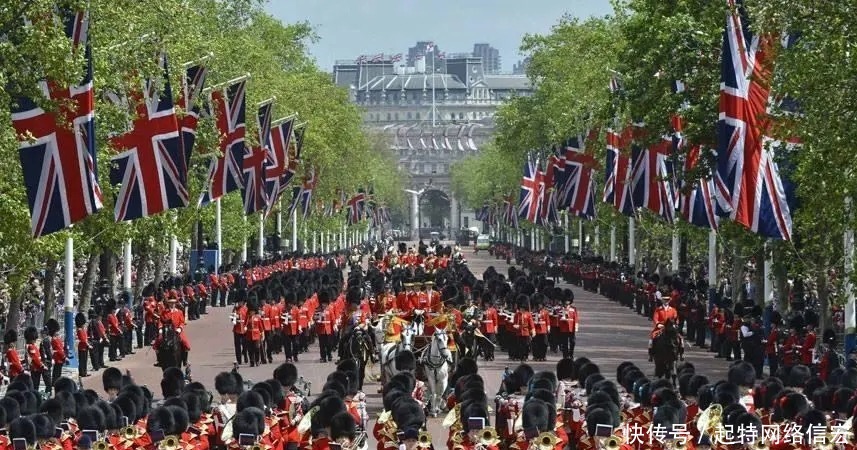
(437, 359)
(390, 350)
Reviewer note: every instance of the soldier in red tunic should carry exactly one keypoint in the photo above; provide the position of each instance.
(489, 325)
(524, 328)
(58, 351)
(83, 345)
(34, 356)
(255, 333)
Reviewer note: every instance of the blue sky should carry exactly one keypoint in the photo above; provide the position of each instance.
(349, 28)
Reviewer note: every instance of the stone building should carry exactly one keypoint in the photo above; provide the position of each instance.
(431, 119)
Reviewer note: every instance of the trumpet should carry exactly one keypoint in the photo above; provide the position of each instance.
(169, 443)
(546, 440)
(489, 437)
(256, 447)
(612, 443)
(130, 432)
(424, 440)
(100, 445)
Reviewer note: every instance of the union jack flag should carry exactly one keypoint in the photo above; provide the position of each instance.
(280, 161)
(485, 214)
(532, 192)
(377, 58)
(396, 58)
(578, 190)
(255, 198)
(226, 171)
(650, 175)
(698, 203)
(749, 187)
(189, 102)
(356, 206)
(57, 150)
(304, 193)
(150, 168)
(617, 172)
(510, 213)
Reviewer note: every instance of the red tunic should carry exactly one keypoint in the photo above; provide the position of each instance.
(490, 321)
(524, 324)
(240, 326)
(35, 357)
(570, 323)
(541, 321)
(82, 339)
(58, 350)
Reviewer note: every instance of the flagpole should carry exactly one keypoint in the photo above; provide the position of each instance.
(632, 242)
(126, 276)
(596, 244)
(848, 247)
(261, 247)
(174, 250)
(68, 302)
(294, 230)
(712, 263)
(675, 250)
(612, 243)
(244, 248)
(433, 106)
(565, 231)
(218, 231)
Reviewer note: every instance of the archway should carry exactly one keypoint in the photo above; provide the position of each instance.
(434, 213)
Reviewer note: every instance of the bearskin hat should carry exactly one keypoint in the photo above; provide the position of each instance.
(565, 369)
(405, 361)
(23, 428)
(536, 417)
(471, 412)
(52, 407)
(409, 415)
(790, 406)
(225, 383)
(44, 425)
(31, 334)
(250, 399)
(10, 337)
(342, 425)
(599, 416)
(249, 421)
(79, 320)
(92, 418)
(264, 390)
(797, 322)
(829, 337)
(742, 374)
(798, 376)
(286, 374)
(585, 371)
(354, 296)
(11, 408)
(111, 379)
(68, 404)
(52, 326)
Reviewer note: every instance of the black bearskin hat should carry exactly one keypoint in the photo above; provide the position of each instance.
(31, 334)
(565, 369)
(79, 320)
(536, 416)
(342, 425)
(111, 379)
(23, 428)
(829, 337)
(743, 374)
(286, 374)
(52, 326)
(226, 383)
(405, 361)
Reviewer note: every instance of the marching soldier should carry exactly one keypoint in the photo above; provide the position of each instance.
(58, 352)
(568, 325)
(34, 356)
(239, 326)
(541, 323)
(114, 331)
(98, 335)
(324, 326)
(524, 328)
(490, 322)
(175, 317)
(772, 345)
(83, 345)
(255, 332)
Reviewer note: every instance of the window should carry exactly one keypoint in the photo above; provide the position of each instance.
(466, 222)
(461, 116)
(409, 116)
(396, 116)
(418, 116)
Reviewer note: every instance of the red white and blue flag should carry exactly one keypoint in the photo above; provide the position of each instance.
(554, 171)
(57, 149)
(531, 199)
(226, 173)
(255, 159)
(651, 179)
(191, 103)
(279, 160)
(303, 198)
(510, 211)
(617, 173)
(356, 205)
(749, 187)
(577, 193)
(150, 167)
(697, 201)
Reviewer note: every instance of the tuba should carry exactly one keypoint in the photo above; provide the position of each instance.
(612, 443)
(546, 440)
(424, 440)
(488, 437)
(100, 445)
(169, 443)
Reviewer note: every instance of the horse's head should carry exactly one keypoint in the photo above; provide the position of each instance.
(439, 341)
(408, 338)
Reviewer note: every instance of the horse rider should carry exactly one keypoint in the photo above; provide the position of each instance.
(355, 318)
(174, 316)
(663, 313)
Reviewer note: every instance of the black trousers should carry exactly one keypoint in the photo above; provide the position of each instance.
(37, 378)
(523, 347)
(540, 346)
(98, 355)
(487, 349)
(553, 339)
(773, 364)
(567, 343)
(238, 342)
(127, 342)
(292, 345)
(82, 360)
(113, 351)
(325, 345)
(149, 333)
(254, 351)
(56, 373)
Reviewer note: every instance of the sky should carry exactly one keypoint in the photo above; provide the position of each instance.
(349, 28)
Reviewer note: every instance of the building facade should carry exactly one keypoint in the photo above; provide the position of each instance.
(431, 118)
(491, 60)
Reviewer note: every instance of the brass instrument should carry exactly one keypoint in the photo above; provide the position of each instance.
(424, 440)
(828, 442)
(488, 437)
(130, 433)
(546, 440)
(306, 421)
(169, 443)
(100, 445)
(760, 445)
(256, 447)
(709, 421)
(612, 443)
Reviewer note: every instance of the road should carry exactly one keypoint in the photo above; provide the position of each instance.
(609, 334)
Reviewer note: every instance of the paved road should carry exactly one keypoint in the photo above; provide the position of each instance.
(609, 334)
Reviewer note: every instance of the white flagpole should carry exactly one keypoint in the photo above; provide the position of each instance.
(68, 300)
(580, 236)
(218, 231)
(126, 278)
(712, 260)
(261, 247)
(632, 250)
(174, 251)
(675, 250)
(596, 245)
(244, 248)
(294, 230)
(613, 243)
(565, 231)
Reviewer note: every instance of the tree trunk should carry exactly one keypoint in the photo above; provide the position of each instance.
(823, 300)
(50, 305)
(159, 271)
(682, 250)
(89, 277)
(107, 271)
(759, 277)
(13, 314)
(737, 275)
